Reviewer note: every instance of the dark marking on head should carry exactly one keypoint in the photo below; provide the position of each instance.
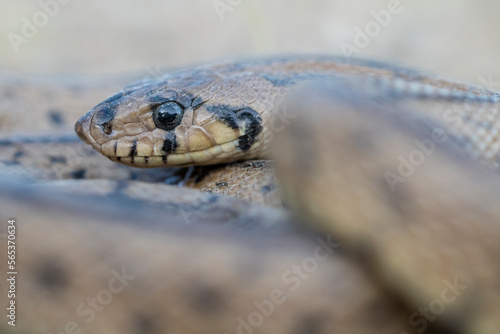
(51, 275)
(225, 114)
(252, 127)
(144, 324)
(207, 299)
(221, 184)
(196, 103)
(56, 117)
(114, 97)
(156, 97)
(133, 149)
(155, 100)
(59, 160)
(104, 115)
(78, 174)
(170, 143)
(115, 148)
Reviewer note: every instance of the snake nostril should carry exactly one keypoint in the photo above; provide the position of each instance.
(106, 128)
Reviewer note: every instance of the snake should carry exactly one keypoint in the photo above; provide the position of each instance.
(376, 215)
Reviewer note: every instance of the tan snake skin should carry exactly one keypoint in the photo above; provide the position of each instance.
(192, 262)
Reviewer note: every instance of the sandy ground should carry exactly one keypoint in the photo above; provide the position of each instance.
(457, 38)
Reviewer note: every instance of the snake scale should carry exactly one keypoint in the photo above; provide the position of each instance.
(388, 179)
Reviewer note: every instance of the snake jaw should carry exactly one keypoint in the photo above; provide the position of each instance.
(197, 141)
(190, 144)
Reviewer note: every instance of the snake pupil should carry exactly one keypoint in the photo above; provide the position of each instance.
(168, 115)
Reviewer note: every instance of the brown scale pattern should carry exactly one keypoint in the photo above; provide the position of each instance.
(201, 260)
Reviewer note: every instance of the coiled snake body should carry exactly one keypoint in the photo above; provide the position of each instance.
(376, 157)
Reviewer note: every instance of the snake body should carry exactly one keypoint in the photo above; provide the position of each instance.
(217, 113)
(204, 263)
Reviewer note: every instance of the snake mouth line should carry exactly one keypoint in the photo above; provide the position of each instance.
(219, 154)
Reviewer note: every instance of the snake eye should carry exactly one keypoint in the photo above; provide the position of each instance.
(168, 115)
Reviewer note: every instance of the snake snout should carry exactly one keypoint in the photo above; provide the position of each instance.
(81, 125)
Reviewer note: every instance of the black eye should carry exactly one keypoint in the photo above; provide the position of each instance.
(168, 115)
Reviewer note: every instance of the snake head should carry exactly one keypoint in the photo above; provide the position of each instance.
(182, 119)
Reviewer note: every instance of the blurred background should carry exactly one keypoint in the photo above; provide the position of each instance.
(455, 38)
